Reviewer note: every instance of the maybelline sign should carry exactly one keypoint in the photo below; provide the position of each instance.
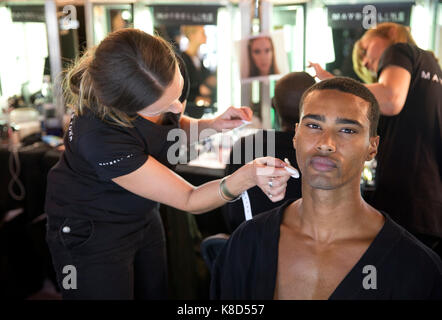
(352, 16)
(185, 15)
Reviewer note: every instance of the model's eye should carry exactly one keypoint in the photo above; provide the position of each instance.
(348, 130)
(313, 126)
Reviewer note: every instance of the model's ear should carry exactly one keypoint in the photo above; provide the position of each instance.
(373, 148)
(294, 137)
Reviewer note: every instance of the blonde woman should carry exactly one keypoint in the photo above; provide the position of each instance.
(103, 194)
(409, 92)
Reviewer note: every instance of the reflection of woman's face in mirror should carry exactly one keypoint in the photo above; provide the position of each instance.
(195, 34)
(200, 35)
(261, 51)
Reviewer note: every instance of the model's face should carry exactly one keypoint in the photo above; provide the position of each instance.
(332, 140)
(372, 48)
(262, 54)
(169, 101)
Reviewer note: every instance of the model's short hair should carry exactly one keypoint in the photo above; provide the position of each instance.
(351, 86)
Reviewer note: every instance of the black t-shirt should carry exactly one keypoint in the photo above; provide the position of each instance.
(246, 267)
(409, 172)
(80, 184)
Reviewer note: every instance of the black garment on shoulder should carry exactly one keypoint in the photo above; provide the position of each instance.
(246, 268)
(409, 171)
(80, 185)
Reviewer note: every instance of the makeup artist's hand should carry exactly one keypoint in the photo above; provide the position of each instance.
(232, 118)
(270, 176)
(321, 74)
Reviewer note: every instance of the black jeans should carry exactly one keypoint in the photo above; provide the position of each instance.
(111, 260)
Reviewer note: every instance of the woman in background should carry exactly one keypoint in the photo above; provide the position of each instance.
(202, 82)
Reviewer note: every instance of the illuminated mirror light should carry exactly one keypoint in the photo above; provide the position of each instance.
(143, 19)
(225, 51)
(421, 26)
(126, 15)
(319, 48)
(22, 64)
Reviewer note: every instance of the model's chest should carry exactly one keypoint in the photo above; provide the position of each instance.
(309, 272)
